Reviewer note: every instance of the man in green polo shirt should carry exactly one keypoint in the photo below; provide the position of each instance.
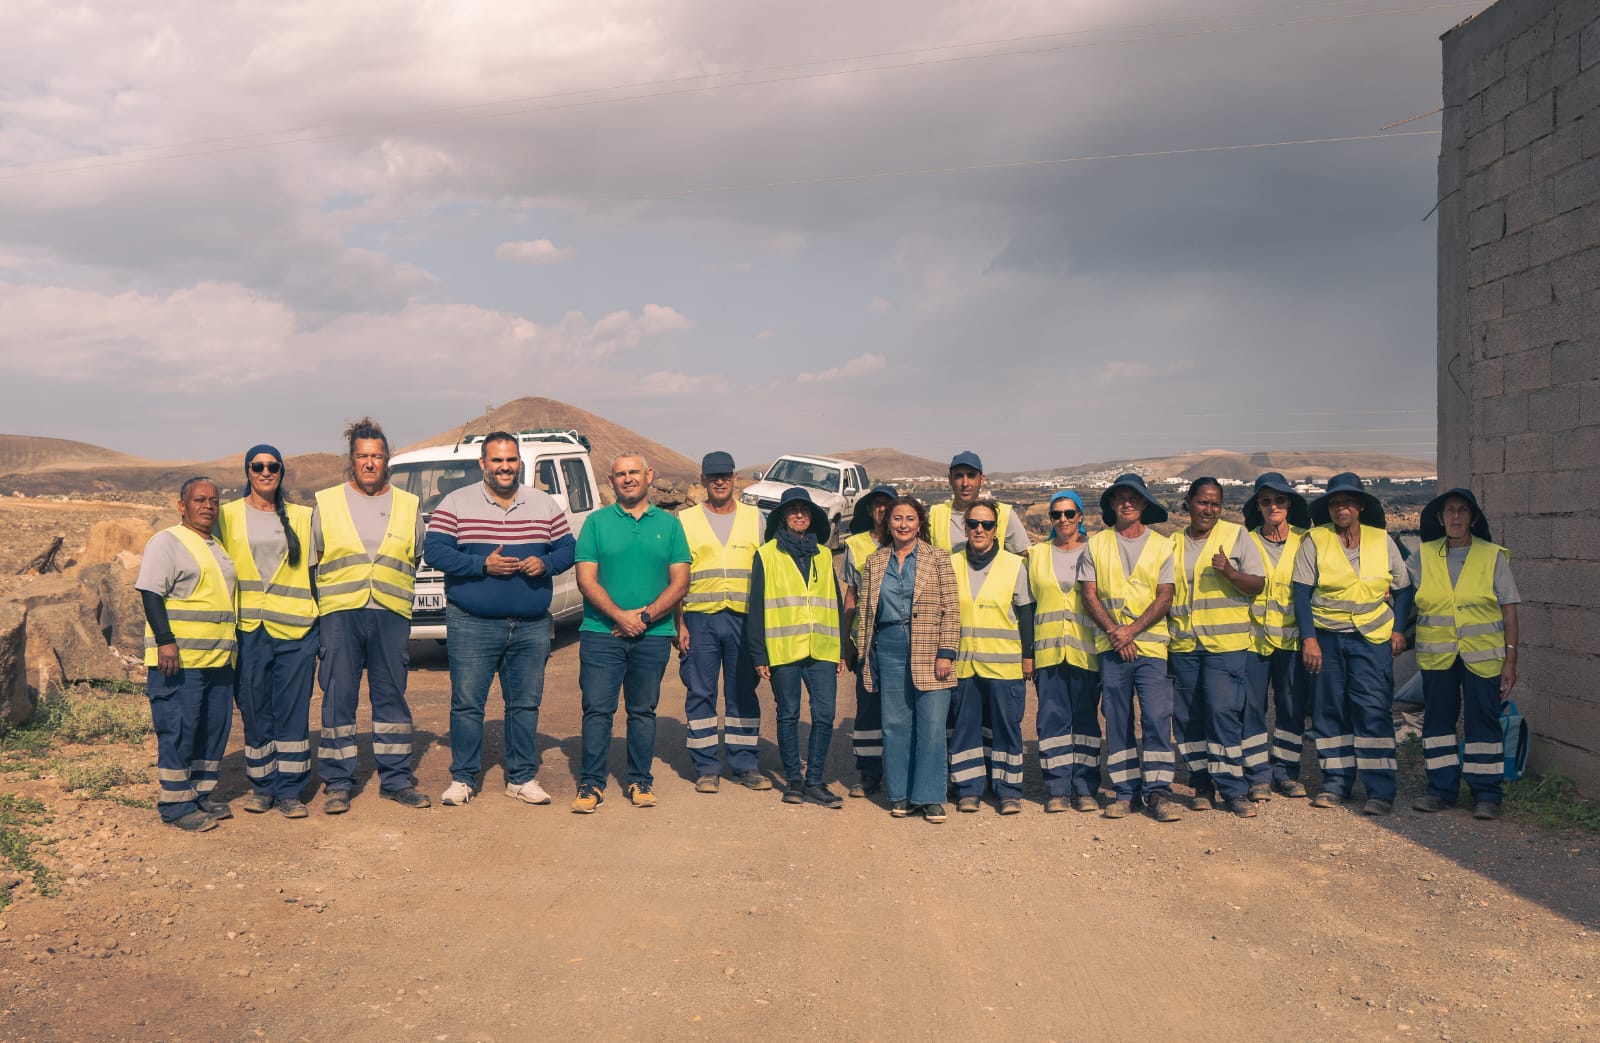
(633, 569)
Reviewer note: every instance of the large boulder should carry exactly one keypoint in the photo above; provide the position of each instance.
(113, 537)
(65, 641)
(120, 612)
(16, 698)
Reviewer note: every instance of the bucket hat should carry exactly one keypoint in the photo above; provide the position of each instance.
(1153, 511)
(1299, 513)
(794, 494)
(1349, 482)
(861, 520)
(1433, 520)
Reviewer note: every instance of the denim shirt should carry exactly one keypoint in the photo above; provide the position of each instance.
(894, 596)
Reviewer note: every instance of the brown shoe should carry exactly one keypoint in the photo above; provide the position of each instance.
(1011, 806)
(1260, 792)
(1085, 803)
(1163, 808)
(1118, 809)
(707, 784)
(967, 805)
(256, 803)
(1055, 805)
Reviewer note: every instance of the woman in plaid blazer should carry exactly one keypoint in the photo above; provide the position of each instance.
(908, 625)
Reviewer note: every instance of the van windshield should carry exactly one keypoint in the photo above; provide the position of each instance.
(799, 472)
(430, 480)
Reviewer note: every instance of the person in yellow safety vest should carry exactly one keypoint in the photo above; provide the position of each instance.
(1066, 670)
(1218, 571)
(723, 536)
(993, 658)
(1277, 518)
(793, 634)
(269, 540)
(188, 587)
(1346, 573)
(1127, 579)
(946, 523)
(366, 535)
(867, 534)
(1466, 648)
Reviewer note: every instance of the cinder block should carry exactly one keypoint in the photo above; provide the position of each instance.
(1527, 371)
(1575, 275)
(1589, 44)
(1556, 322)
(1529, 288)
(1530, 206)
(1488, 457)
(1591, 134)
(1489, 379)
(1556, 151)
(1576, 449)
(1489, 145)
(1572, 362)
(1507, 335)
(1590, 392)
(1530, 123)
(1591, 319)
(1556, 66)
(1498, 417)
(1527, 537)
(1572, 188)
(1575, 98)
(1488, 223)
(1533, 619)
(1532, 42)
(1505, 95)
(1511, 172)
(1475, 190)
(1552, 492)
(1486, 302)
(1507, 492)
(1536, 579)
(1558, 410)
(1572, 18)
(1505, 256)
(1488, 67)
(1529, 452)
(1577, 538)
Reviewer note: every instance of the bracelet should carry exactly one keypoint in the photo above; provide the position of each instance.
(1511, 648)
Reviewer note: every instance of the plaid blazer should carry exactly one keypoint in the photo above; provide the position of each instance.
(935, 614)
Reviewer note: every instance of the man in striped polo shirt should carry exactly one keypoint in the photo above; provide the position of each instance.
(498, 545)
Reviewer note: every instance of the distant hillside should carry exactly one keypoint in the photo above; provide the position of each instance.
(22, 454)
(1296, 466)
(605, 438)
(887, 464)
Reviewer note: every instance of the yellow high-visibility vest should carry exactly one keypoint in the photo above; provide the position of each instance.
(204, 622)
(862, 546)
(991, 643)
(939, 522)
(1210, 614)
(285, 604)
(1465, 619)
(1272, 611)
(347, 576)
(1124, 597)
(1341, 598)
(800, 613)
(1062, 630)
(719, 574)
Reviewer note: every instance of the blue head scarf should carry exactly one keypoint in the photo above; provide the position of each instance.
(1069, 494)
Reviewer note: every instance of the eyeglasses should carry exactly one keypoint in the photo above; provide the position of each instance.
(986, 526)
(268, 466)
(1064, 514)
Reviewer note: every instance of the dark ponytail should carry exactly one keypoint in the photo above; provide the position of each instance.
(290, 538)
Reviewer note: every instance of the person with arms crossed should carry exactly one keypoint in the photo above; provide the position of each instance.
(498, 543)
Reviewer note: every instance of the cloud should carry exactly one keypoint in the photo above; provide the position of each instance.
(1118, 371)
(859, 366)
(534, 251)
(765, 335)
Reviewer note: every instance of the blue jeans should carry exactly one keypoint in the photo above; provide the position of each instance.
(634, 666)
(821, 679)
(915, 759)
(479, 648)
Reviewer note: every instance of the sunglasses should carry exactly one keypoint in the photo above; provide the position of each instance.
(1064, 514)
(986, 526)
(267, 466)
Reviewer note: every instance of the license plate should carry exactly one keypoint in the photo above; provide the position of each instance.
(427, 602)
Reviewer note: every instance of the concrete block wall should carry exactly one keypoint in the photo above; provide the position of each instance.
(1519, 338)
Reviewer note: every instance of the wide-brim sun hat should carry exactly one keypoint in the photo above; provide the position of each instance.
(1153, 514)
(1433, 516)
(1299, 511)
(861, 520)
(1349, 482)
(819, 517)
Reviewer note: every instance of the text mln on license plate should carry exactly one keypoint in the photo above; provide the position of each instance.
(427, 602)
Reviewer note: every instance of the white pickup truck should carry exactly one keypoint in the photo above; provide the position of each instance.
(835, 485)
(555, 461)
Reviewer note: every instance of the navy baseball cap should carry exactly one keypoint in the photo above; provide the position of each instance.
(967, 458)
(717, 463)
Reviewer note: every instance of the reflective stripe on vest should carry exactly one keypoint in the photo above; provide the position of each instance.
(801, 614)
(1465, 619)
(719, 575)
(1125, 597)
(285, 604)
(991, 644)
(347, 577)
(939, 522)
(1272, 611)
(203, 623)
(1207, 611)
(1343, 599)
(1062, 631)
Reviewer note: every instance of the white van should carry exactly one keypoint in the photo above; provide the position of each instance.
(555, 461)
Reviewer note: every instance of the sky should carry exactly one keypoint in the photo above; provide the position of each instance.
(758, 226)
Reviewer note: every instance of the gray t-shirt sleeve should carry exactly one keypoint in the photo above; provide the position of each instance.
(1399, 578)
(1024, 591)
(850, 575)
(1017, 536)
(316, 532)
(1414, 570)
(1305, 563)
(1247, 556)
(1086, 567)
(1505, 588)
(1169, 572)
(167, 569)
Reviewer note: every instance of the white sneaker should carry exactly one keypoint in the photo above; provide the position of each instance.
(456, 794)
(529, 792)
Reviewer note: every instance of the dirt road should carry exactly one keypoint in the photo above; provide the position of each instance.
(735, 916)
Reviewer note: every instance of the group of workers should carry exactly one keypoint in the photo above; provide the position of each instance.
(1229, 637)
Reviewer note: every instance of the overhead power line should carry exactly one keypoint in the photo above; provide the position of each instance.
(435, 118)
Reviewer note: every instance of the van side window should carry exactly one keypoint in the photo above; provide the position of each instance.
(545, 476)
(579, 498)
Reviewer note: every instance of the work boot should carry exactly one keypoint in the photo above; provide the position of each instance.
(289, 807)
(707, 784)
(1011, 806)
(1118, 809)
(1244, 807)
(1327, 800)
(256, 803)
(1428, 803)
(1377, 807)
(820, 794)
(1292, 788)
(1487, 810)
(753, 780)
(216, 809)
(967, 805)
(336, 802)
(194, 822)
(1260, 791)
(1055, 805)
(1163, 808)
(410, 797)
(1085, 802)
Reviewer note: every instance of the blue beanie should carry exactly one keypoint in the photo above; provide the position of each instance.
(1068, 494)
